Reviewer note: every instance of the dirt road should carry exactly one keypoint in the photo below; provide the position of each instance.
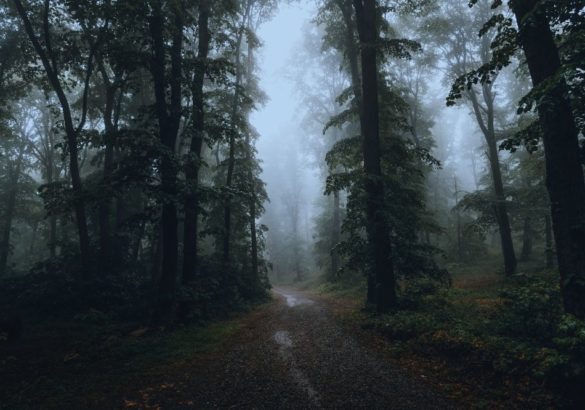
(291, 354)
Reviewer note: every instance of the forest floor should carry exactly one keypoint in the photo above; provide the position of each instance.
(291, 353)
(449, 344)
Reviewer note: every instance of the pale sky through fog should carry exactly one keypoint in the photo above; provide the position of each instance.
(276, 121)
(279, 37)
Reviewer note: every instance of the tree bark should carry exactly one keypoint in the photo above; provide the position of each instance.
(190, 252)
(564, 173)
(227, 215)
(549, 246)
(14, 175)
(169, 117)
(378, 232)
(336, 236)
(458, 222)
(352, 51)
(255, 277)
(105, 202)
(487, 127)
(527, 239)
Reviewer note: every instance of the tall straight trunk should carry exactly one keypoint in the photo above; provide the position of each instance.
(8, 216)
(336, 235)
(190, 262)
(378, 232)
(227, 211)
(458, 222)
(137, 245)
(169, 117)
(33, 238)
(487, 127)
(47, 158)
(50, 169)
(71, 132)
(253, 235)
(156, 254)
(527, 238)
(296, 248)
(352, 51)
(105, 203)
(252, 186)
(564, 173)
(53, 236)
(549, 246)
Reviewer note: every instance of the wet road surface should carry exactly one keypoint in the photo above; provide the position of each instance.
(292, 354)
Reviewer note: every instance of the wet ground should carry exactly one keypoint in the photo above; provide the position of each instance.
(291, 354)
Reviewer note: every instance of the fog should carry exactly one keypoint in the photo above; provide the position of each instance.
(289, 177)
(292, 169)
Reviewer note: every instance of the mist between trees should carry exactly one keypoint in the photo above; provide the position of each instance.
(426, 139)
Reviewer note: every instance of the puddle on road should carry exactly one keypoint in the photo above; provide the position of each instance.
(282, 337)
(294, 300)
(284, 340)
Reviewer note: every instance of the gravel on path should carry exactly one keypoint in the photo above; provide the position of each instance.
(292, 354)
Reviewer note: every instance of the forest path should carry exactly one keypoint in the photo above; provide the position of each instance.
(292, 354)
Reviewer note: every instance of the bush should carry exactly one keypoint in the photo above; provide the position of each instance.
(53, 288)
(422, 292)
(566, 359)
(531, 310)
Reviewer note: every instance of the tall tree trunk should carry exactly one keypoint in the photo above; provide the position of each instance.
(378, 232)
(105, 202)
(169, 117)
(252, 186)
(336, 235)
(190, 262)
(549, 246)
(50, 169)
(33, 238)
(352, 50)
(527, 238)
(227, 212)
(53, 236)
(458, 222)
(564, 173)
(137, 245)
(487, 127)
(14, 175)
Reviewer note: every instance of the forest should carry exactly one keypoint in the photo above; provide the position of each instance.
(294, 204)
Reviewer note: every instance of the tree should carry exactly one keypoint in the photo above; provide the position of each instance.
(564, 173)
(456, 34)
(166, 25)
(379, 245)
(190, 251)
(50, 61)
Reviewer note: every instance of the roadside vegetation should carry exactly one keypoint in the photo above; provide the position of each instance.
(489, 341)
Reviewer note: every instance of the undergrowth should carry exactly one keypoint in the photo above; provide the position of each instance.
(512, 334)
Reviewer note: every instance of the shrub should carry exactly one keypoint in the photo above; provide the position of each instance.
(531, 310)
(422, 292)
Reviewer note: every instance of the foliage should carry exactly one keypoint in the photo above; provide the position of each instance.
(531, 310)
(521, 336)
